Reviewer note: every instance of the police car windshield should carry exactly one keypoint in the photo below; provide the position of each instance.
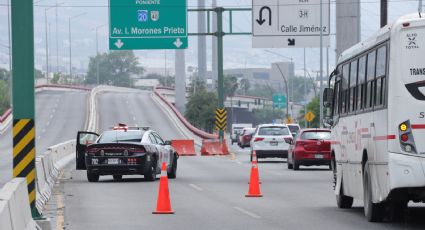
(121, 136)
(273, 131)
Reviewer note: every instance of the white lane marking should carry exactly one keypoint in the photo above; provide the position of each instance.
(253, 215)
(48, 123)
(51, 115)
(196, 187)
(54, 110)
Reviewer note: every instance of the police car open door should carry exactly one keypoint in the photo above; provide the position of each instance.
(84, 139)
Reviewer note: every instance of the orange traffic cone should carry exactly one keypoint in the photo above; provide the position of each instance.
(163, 205)
(254, 182)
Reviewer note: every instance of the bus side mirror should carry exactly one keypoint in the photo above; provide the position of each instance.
(328, 95)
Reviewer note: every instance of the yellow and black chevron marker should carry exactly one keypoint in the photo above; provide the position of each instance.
(221, 119)
(24, 154)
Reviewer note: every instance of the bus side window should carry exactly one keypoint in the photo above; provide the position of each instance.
(360, 83)
(381, 67)
(353, 82)
(345, 88)
(370, 77)
(336, 99)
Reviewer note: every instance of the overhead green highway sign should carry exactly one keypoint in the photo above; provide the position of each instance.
(147, 24)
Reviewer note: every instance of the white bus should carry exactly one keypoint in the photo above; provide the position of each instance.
(376, 110)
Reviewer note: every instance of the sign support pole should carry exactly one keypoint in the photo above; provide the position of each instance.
(23, 96)
(220, 87)
(321, 64)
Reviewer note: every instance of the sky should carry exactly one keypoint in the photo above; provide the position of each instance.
(237, 49)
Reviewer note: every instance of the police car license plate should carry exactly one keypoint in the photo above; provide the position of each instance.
(318, 156)
(113, 161)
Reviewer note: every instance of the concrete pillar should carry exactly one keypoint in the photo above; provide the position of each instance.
(348, 31)
(180, 81)
(202, 43)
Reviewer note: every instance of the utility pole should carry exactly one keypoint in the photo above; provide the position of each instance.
(10, 50)
(305, 90)
(70, 42)
(57, 39)
(47, 43)
(321, 64)
(384, 13)
(202, 43)
(287, 89)
(97, 53)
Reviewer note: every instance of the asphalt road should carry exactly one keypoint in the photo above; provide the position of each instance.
(209, 192)
(59, 115)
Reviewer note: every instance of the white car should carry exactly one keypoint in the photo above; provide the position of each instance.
(271, 140)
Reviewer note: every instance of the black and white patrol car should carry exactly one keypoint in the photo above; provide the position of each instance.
(124, 151)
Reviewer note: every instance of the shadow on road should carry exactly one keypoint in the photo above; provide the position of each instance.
(413, 218)
(124, 180)
(268, 161)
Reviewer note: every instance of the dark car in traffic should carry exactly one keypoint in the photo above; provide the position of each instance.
(310, 147)
(124, 151)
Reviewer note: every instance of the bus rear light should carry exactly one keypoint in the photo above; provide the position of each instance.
(407, 142)
(406, 24)
(404, 137)
(403, 127)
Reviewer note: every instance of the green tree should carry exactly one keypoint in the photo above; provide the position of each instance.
(167, 81)
(200, 109)
(267, 115)
(4, 97)
(296, 88)
(4, 74)
(38, 74)
(314, 107)
(264, 91)
(230, 86)
(114, 68)
(245, 85)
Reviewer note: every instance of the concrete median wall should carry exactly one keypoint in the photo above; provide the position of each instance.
(15, 212)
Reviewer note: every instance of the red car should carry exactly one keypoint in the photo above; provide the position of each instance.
(311, 147)
(245, 137)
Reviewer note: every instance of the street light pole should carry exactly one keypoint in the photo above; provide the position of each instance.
(305, 90)
(10, 45)
(57, 39)
(97, 52)
(70, 42)
(321, 64)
